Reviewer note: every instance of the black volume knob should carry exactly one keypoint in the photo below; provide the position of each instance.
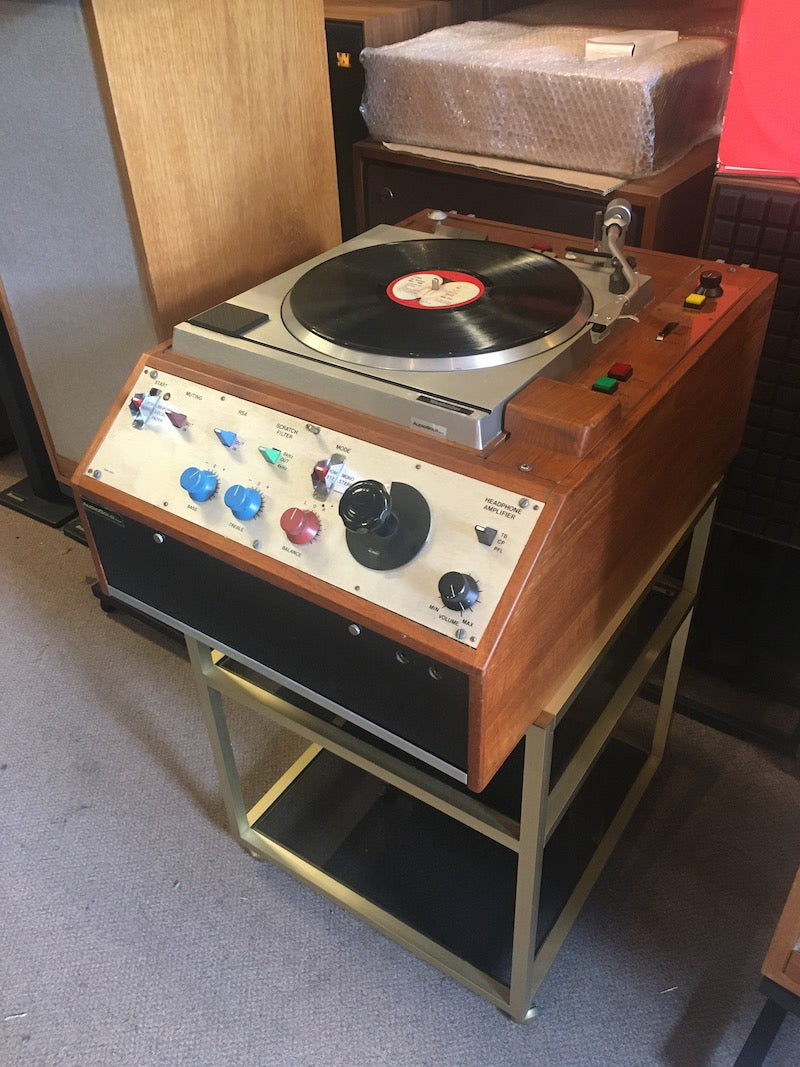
(458, 591)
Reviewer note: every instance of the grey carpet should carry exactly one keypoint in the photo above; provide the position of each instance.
(134, 931)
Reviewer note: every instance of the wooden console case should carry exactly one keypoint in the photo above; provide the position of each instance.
(620, 475)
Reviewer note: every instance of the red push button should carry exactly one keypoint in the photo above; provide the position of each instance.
(620, 371)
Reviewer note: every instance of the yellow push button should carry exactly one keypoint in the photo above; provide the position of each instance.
(694, 301)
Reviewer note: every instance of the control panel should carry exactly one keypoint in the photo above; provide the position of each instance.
(424, 542)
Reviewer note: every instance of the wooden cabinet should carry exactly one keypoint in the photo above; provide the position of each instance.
(782, 962)
(669, 208)
(780, 984)
(160, 157)
(352, 25)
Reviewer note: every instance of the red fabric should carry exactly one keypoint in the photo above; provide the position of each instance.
(761, 131)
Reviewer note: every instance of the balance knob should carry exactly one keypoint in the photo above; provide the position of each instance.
(200, 485)
(458, 591)
(300, 526)
(244, 503)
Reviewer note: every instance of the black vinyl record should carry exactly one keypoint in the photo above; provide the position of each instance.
(437, 298)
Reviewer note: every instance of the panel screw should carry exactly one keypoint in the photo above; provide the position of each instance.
(354, 629)
(525, 467)
(158, 538)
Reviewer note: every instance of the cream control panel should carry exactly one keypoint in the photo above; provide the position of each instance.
(427, 543)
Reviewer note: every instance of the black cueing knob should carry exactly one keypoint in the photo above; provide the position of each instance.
(458, 591)
(710, 283)
(365, 507)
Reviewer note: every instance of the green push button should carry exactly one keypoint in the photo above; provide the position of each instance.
(606, 385)
(271, 455)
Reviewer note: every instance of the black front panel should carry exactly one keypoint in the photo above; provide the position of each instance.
(400, 690)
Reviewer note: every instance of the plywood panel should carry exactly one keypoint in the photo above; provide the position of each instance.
(222, 116)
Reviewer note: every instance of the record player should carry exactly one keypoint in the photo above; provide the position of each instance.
(411, 480)
(348, 326)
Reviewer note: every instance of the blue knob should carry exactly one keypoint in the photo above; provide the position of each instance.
(244, 503)
(200, 485)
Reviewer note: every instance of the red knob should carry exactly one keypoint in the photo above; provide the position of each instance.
(300, 526)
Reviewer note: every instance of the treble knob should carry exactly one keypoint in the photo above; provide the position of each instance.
(244, 503)
(458, 591)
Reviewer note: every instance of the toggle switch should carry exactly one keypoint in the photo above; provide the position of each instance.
(325, 475)
(143, 405)
(227, 437)
(271, 455)
(485, 534)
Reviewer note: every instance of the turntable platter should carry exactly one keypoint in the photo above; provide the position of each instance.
(436, 305)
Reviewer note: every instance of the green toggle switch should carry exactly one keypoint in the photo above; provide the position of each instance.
(271, 455)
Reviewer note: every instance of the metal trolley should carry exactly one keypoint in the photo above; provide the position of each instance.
(484, 886)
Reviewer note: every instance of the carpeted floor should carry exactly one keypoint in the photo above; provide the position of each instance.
(136, 932)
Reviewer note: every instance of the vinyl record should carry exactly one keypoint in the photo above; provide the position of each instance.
(436, 299)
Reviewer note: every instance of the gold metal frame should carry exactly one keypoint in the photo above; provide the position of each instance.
(542, 807)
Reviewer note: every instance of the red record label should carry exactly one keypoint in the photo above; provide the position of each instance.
(435, 290)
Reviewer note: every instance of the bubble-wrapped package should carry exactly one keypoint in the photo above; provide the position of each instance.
(513, 91)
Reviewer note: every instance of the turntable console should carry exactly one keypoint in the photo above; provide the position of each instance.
(412, 480)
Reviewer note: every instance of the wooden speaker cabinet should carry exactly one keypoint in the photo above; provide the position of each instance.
(669, 208)
(350, 26)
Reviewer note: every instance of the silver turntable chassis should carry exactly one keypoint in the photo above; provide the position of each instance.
(505, 957)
